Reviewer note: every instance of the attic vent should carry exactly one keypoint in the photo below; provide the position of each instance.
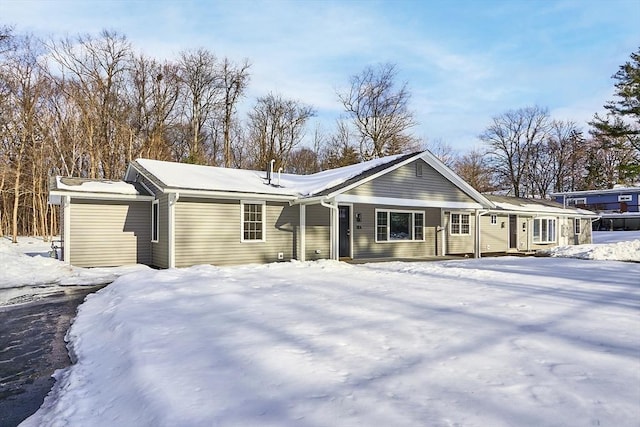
(418, 169)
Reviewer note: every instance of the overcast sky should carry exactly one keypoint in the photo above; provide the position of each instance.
(464, 61)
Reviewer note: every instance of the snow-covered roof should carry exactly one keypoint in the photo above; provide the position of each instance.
(209, 178)
(104, 186)
(516, 204)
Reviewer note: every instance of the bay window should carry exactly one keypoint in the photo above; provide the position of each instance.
(544, 230)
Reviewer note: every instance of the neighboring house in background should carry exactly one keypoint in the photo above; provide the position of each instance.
(618, 207)
(170, 214)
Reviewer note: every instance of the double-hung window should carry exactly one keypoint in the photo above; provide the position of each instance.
(459, 224)
(252, 216)
(394, 226)
(155, 214)
(544, 230)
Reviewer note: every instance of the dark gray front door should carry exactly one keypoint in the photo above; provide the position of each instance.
(513, 232)
(344, 231)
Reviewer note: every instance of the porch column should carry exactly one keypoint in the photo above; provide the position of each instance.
(302, 256)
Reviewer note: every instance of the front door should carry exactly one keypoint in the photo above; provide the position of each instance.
(344, 231)
(513, 232)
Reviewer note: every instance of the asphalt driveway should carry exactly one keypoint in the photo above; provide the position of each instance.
(32, 347)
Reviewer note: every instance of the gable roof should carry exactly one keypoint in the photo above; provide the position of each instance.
(173, 177)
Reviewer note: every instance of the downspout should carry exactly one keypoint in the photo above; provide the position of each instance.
(333, 254)
(66, 226)
(173, 199)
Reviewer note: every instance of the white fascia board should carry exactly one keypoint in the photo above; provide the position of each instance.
(229, 195)
(436, 164)
(443, 170)
(392, 201)
(99, 196)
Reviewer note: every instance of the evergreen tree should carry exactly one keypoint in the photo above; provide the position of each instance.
(620, 128)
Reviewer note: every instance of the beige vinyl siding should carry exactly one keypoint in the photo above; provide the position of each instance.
(460, 244)
(317, 232)
(160, 249)
(110, 233)
(494, 237)
(364, 234)
(404, 184)
(208, 232)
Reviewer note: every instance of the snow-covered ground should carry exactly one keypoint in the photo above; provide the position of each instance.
(27, 270)
(608, 245)
(491, 342)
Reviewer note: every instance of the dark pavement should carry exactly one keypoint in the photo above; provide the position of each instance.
(32, 347)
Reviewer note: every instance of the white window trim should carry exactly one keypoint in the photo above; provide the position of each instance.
(413, 227)
(155, 221)
(572, 201)
(493, 219)
(264, 220)
(555, 228)
(451, 233)
(625, 198)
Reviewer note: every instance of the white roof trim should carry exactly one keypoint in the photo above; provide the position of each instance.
(229, 195)
(436, 164)
(392, 201)
(101, 196)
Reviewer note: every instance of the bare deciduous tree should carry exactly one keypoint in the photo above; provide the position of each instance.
(473, 167)
(276, 126)
(235, 79)
(92, 75)
(512, 138)
(202, 96)
(380, 112)
(443, 151)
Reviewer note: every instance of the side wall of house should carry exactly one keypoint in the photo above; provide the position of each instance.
(462, 243)
(317, 232)
(364, 234)
(209, 232)
(110, 233)
(494, 237)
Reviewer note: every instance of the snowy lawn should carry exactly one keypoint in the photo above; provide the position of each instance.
(26, 269)
(491, 342)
